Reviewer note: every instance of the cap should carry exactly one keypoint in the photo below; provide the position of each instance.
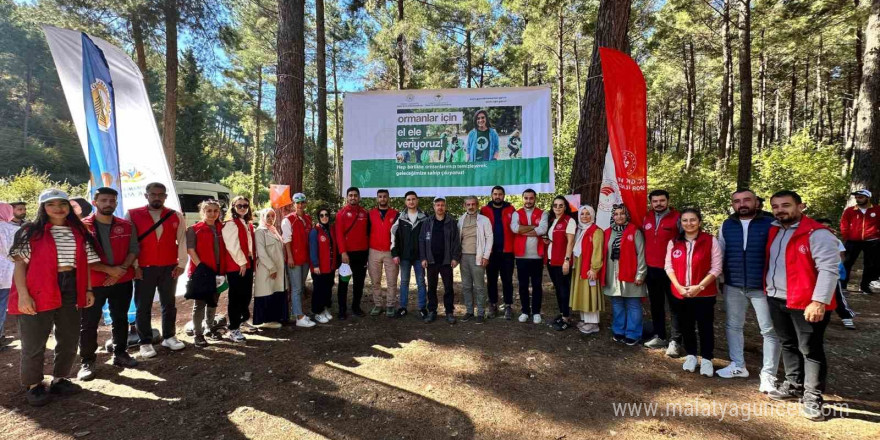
(439, 199)
(52, 194)
(299, 197)
(106, 190)
(862, 192)
(344, 272)
(18, 203)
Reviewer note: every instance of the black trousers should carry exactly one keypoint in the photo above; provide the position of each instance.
(562, 285)
(529, 272)
(445, 272)
(803, 348)
(241, 289)
(119, 297)
(697, 315)
(155, 277)
(659, 293)
(843, 309)
(322, 294)
(34, 331)
(500, 263)
(358, 262)
(871, 270)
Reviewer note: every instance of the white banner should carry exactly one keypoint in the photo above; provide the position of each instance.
(141, 157)
(449, 142)
(609, 195)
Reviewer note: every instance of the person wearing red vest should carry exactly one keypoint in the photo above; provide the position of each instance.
(560, 241)
(353, 241)
(501, 261)
(161, 260)
(382, 218)
(860, 231)
(240, 241)
(204, 244)
(295, 229)
(528, 223)
(693, 263)
(660, 226)
(323, 256)
(802, 261)
(51, 282)
(111, 281)
(588, 270)
(625, 272)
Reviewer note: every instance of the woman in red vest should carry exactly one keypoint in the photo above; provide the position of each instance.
(693, 262)
(324, 259)
(239, 237)
(560, 241)
(50, 284)
(205, 246)
(625, 272)
(587, 281)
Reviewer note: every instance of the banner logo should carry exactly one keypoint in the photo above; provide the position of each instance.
(608, 197)
(629, 162)
(101, 101)
(802, 249)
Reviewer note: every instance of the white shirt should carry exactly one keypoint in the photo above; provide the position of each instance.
(230, 237)
(7, 267)
(745, 225)
(570, 228)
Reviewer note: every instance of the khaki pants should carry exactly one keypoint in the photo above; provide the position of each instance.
(376, 261)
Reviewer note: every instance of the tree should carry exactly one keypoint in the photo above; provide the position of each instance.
(290, 95)
(191, 125)
(322, 164)
(744, 171)
(866, 158)
(169, 120)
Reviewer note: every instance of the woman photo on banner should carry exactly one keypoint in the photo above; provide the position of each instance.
(482, 143)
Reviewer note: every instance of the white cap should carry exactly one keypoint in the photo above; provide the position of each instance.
(52, 194)
(862, 192)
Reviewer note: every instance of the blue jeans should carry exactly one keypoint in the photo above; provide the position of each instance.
(736, 302)
(4, 300)
(627, 313)
(405, 266)
(297, 276)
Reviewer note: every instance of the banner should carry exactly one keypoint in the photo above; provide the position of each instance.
(449, 142)
(141, 157)
(279, 196)
(626, 111)
(609, 194)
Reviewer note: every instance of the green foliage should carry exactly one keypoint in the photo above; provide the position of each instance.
(191, 125)
(28, 184)
(241, 184)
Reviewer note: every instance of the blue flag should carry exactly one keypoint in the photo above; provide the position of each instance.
(100, 110)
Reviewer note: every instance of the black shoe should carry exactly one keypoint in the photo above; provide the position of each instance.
(785, 392)
(199, 341)
(37, 396)
(401, 312)
(811, 409)
(479, 319)
(631, 342)
(86, 372)
(492, 312)
(358, 312)
(561, 325)
(617, 338)
(342, 316)
(450, 318)
(508, 313)
(432, 316)
(214, 335)
(125, 360)
(64, 387)
(423, 313)
(467, 317)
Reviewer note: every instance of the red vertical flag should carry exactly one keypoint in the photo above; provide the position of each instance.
(626, 112)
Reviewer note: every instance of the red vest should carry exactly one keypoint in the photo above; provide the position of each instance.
(560, 241)
(41, 277)
(380, 230)
(231, 265)
(299, 238)
(657, 237)
(156, 251)
(351, 229)
(120, 238)
(629, 262)
(326, 253)
(587, 255)
(205, 247)
(701, 262)
(506, 214)
(519, 240)
(800, 269)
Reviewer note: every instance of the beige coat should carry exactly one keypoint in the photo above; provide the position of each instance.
(270, 259)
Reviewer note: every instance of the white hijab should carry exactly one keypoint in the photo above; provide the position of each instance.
(582, 228)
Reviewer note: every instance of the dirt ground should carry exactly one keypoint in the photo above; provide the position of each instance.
(378, 378)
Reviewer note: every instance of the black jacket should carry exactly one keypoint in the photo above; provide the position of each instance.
(202, 285)
(451, 247)
(405, 236)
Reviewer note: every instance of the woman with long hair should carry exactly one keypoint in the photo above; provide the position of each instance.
(693, 263)
(205, 246)
(625, 272)
(51, 278)
(239, 237)
(270, 298)
(560, 241)
(482, 142)
(588, 278)
(322, 252)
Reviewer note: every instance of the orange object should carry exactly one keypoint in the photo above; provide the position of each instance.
(279, 196)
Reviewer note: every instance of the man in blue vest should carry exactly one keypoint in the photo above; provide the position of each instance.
(743, 240)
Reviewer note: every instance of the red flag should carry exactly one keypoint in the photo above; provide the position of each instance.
(626, 111)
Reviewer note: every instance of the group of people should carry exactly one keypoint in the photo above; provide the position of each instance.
(788, 266)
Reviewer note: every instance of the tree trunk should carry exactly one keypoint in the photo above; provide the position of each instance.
(256, 175)
(560, 74)
(401, 47)
(680, 126)
(724, 111)
(762, 105)
(169, 123)
(808, 115)
(792, 100)
(688, 52)
(820, 95)
(866, 154)
(290, 95)
(592, 138)
(744, 172)
(137, 35)
(577, 73)
(775, 136)
(525, 73)
(337, 137)
(322, 164)
(468, 52)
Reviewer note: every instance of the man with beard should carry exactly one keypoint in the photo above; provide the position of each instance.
(111, 281)
(499, 213)
(860, 232)
(528, 224)
(19, 212)
(353, 239)
(382, 219)
(659, 227)
(743, 241)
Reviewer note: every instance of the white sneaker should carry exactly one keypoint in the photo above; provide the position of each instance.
(246, 325)
(271, 325)
(523, 318)
(673, 350)
(147, 351)
(236, 336)
(536, 318)
(706, 368)
(732, 371)
(173, 343)
(305, 322)
(768, 383)
(321, 318)
(328, 315)
(690, 363)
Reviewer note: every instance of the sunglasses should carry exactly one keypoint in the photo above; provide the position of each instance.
(559, 206)
(324, 214)
(242, 206)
